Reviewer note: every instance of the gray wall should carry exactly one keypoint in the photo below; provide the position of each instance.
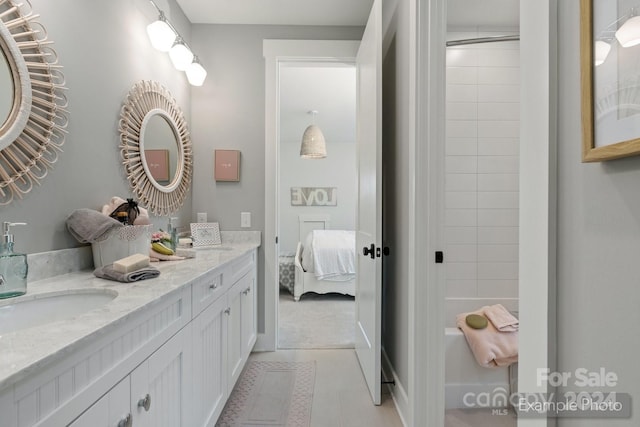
(396, 180)
(104, 49)
(229, 113)
(337, 170)
(598, 242)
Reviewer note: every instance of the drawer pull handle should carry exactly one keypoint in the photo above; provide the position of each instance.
(145, 403)
(227, 311)
(125, 422)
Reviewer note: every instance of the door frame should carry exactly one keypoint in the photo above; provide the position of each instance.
(538, 193)
(276, 52)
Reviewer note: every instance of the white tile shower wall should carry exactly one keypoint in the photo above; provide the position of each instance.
(482, 169)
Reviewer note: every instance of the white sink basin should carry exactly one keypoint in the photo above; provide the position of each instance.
(34, 310)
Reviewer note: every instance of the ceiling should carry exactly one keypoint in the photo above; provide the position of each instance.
(337, 12)
(277, 12)
(329, 89)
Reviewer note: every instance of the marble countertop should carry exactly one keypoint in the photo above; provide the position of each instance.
(26, 351)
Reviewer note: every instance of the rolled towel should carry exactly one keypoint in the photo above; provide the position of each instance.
(501, 318)
(107, 272)
(89, 226)
(490, 347)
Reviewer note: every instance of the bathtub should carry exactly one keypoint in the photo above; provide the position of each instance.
(463, 375)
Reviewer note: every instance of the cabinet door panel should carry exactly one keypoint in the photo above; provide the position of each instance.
(112, 408)
(248, 322)
(234, 337)
(159, 386)
(209, 337)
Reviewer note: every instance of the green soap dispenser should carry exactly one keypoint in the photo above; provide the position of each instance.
(13, 266)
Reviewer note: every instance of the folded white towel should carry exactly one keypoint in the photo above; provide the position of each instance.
(107, 272)
(490, 347)
(501, 318)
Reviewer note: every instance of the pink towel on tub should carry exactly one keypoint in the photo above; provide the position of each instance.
(489, 346)
(501, 318)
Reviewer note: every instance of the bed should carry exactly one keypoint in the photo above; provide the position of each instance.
(324, 260)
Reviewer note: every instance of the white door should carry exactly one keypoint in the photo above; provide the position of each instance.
(369, 219)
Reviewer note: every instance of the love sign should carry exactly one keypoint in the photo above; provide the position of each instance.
(314, 196)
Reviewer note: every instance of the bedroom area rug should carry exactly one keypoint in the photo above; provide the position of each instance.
(271, 394)
(316, 321)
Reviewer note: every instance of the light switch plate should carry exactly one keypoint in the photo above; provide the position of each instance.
(201, 217)
(245, 219)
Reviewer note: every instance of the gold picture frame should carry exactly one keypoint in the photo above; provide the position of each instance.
(610, 122)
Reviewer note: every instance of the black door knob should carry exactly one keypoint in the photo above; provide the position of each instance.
(369, 251)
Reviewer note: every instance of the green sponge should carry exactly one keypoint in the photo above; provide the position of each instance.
(476, 321)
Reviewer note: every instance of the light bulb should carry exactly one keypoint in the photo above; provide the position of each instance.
(181, 56)
(601, 50)
(629, 34)
(196, 74)
(161, 35)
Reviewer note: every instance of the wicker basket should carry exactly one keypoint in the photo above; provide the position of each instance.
(122, 242)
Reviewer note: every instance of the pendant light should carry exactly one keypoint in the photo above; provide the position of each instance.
(313, 143)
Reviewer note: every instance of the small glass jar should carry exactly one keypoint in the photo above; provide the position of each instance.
(123, 217)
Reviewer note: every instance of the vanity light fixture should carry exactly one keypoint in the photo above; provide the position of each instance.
(161, 34)
(196, 73)
(181, 56)
(629, 33)
(165, 38)
(601, 51)
(313, 143)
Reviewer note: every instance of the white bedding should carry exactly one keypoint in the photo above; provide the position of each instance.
(330, 255)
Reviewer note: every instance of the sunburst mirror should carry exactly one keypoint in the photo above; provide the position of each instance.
(33, 115)
(156, 149)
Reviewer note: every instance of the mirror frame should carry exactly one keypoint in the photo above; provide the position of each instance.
(32, 135)
(145, 100)
(175, 180)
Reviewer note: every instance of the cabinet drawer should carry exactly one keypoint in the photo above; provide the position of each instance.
(206, 290)
(239, 268)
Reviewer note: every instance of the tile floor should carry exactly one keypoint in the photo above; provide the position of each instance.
(341, 398)
(478, 418)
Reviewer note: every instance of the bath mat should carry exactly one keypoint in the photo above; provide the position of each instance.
(271, 394)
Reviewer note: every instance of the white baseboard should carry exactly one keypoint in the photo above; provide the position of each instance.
(398, 392)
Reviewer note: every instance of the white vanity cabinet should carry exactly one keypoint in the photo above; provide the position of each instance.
(155, 394)
(172, 362)
(209, 332)
(242, 325)
(223, 337)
